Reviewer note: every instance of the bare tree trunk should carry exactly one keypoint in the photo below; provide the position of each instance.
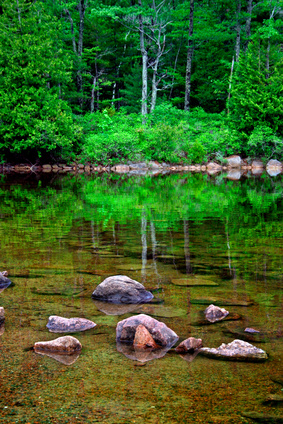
(19, 13)
(72, 30)
(238, 31)
(189, 58)
(144, 67)
(230, 85)
(175, 66)
(248, 24)
(92, 94)
(155, 67)
(267, 58)
(82, 8)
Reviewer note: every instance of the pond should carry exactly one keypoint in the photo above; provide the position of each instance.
(191, 239)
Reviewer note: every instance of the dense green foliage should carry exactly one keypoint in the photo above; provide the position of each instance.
(71, 80)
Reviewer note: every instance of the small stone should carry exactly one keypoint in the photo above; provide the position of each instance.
(58, 324)
(189, 345)
(66, 345)
(238, 350)
(143, 339)
(251, 330)
(215, 313)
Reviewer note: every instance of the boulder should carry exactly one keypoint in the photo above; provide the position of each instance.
(238, 350)
(58, 324)
(189, 345)
(257, 164)
(121, 289)
(234, 161)
(234, 175)
(274, 167)
(66, 345)
(215, 313)
(162, 335)
(274, 164)
(2, 315)
(143, 339)
(213, 167)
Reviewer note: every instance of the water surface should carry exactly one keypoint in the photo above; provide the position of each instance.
(192, 239)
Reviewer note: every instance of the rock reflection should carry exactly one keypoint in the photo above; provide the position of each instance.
(3, 285)
(189, 357)
(141, 355)
(2, 329)
(64, 359)
(115, 309)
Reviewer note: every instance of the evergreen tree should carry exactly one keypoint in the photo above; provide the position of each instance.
(34, 72)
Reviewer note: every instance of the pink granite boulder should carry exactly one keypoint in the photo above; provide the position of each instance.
(161, 334)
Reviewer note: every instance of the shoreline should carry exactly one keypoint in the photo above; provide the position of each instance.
(234, 165)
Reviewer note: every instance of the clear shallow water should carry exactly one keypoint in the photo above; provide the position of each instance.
(62, 237)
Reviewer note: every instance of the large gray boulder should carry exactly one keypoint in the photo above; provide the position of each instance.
(238, 350)
(66, 345)
(161, 334)
(58, 324)
(121, 289)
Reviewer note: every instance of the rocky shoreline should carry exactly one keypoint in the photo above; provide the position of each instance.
(234, 165)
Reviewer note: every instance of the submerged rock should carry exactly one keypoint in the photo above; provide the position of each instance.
(65, 345)
(162, 335)
(251, 330)
(215, 313)
(193, 281)
(58, 324)
(262, 417)
(143, 339)
(221, 302)
(189, 345)
(273, 400)
(254, 337)
(238, 350)
(121, 289)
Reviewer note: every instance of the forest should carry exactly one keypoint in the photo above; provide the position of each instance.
(177, 81)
